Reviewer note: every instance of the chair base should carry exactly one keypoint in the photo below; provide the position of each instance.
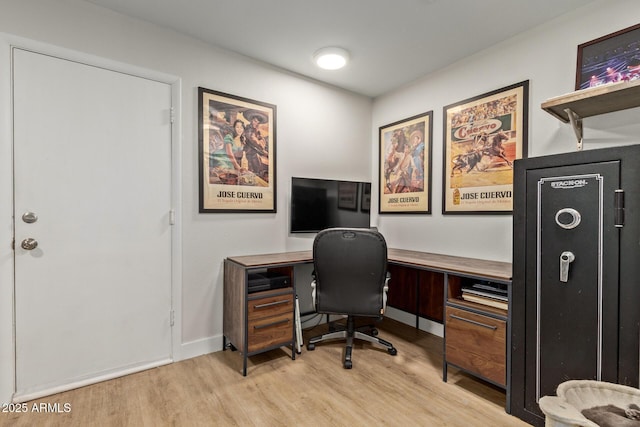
(349, 334)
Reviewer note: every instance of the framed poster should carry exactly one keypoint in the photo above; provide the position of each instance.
(609, 59)
(237, 153)
(482, 137)
(405, 165)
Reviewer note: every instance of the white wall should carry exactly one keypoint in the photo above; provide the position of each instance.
(546, 56)
(321, 132)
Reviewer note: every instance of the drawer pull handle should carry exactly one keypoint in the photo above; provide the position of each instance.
(268, 325)
(484, 325)
(270, 304)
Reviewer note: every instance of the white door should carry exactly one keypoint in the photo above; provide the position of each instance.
(92, 162)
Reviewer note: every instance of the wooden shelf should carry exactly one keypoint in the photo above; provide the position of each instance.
(594, 101)
(575, 106)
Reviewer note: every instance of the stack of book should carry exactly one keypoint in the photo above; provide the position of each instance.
(490, 294)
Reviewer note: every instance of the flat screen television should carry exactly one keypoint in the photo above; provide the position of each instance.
(317, 204)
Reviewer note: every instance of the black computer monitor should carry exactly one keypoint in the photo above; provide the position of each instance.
(317, 204)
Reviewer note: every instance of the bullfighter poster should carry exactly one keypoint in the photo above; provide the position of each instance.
(237, 153)
(482, 138)
(405, 165)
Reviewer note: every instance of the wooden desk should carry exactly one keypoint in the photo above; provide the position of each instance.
(418, 275)
(469, 267)
(273, 260)
(475, 335)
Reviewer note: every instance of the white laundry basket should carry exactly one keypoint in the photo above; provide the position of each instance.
(565, 409)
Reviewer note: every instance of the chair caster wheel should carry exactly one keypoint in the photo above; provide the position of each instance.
(311, 347)
(348, 364)
(392, 351)
(374, 332)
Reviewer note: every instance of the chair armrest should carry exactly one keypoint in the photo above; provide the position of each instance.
(313, 292)
(384, 292)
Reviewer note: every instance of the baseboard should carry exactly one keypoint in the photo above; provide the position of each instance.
(187, 351)
(426, 325)
(197, 348)
(435, 328)
(21, 397)
(213, 344)
(309, 320)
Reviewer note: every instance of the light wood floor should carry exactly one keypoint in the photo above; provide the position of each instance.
(314, 390)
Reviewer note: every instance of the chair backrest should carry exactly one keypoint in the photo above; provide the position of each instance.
(350, 267)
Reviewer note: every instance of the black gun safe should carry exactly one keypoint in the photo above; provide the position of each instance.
(575, 307)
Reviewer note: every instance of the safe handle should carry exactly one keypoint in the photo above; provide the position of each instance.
(566, 258)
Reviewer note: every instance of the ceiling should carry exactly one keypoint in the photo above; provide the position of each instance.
(391, 42)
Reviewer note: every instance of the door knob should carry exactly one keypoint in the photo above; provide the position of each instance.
(29, 244)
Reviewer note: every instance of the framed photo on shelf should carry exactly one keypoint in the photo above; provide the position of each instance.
(483, 135)
(405, 165)
(609, 59)
(237, 153)
(348, 195)
(365, 197)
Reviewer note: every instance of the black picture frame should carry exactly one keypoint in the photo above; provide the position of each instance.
(609, 59)
(236, 153)
(405, 165)
(483, 135)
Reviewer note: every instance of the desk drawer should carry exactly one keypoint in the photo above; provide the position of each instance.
(270, 306)
(476, 343)
(266, 332)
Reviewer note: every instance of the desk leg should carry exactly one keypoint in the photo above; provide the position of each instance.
(445, 291)
(417, 299)
(298, 324)
(244, 365)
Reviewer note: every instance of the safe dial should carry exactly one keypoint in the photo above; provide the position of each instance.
(568, 218)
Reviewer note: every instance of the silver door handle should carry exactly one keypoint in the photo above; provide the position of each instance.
(29, 244)
(566, 258)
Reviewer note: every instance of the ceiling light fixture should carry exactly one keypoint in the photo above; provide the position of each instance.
(331, 58)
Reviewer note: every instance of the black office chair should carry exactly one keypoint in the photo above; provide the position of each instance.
(350, 278)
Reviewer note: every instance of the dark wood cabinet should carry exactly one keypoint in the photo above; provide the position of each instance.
(475, 334)
(430, 290)
(255, 322)
(270, 319)
(477, 343)
(417, 292)
(403, 289)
